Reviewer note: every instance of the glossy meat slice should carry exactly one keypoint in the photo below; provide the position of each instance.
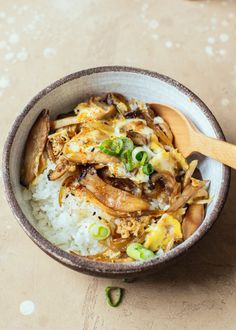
(83, 148)
(112, 197)
(137, 138)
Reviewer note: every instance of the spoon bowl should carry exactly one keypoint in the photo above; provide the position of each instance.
(188, 139)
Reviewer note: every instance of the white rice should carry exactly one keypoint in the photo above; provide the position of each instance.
(65, 226)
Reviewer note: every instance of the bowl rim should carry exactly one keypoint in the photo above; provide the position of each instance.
(87, 265)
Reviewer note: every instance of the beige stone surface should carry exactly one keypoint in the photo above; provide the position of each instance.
(191, 41)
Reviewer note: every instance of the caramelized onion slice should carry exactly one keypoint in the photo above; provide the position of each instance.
(50, 151)
(59, 123)
(189, 172)
(42, 163)
(189, 192)
(34, 148)
(67, 182)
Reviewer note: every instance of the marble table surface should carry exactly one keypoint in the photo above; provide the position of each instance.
(191, 41)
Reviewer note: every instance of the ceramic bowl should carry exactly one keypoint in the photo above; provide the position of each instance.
(62, 96)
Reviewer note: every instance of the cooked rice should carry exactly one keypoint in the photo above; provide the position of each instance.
(66, 225)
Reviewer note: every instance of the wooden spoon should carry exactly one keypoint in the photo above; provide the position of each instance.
(188, 139)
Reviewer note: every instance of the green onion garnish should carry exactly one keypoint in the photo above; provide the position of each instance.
(114, 295)
(146, 254)
(127, 143)
(138, 252)
(112, 147)
(142, 157)
(126, 157)
(148, 169)
(99, 231)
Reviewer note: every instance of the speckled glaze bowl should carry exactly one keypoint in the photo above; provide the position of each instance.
(62, 96)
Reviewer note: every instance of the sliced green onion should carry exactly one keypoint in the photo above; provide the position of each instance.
(146, 254)
(133, 250)
(112, 147)
(137, 153)
(148, 169)
(114, 295)
(140, 154)
(127, 144)
(142, 157)
(126, 157)
(99, 231)
(138, 252)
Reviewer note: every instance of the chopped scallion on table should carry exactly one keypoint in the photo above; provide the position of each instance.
(114, 295)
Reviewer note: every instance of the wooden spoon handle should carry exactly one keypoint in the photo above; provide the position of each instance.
(219, 150)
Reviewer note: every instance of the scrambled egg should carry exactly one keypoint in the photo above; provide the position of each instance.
(163, 161)
(168, 161)
(180, 159)
(163, 234)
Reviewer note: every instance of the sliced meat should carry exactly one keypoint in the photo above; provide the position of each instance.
(80, 190)
(134, 114)
(89, 157)
(159, 183)
(112, 197)
(83, 148)
(120, 183)
(137, 138)
(120, 102)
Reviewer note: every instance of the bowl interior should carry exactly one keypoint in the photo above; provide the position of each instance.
(63, 96)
